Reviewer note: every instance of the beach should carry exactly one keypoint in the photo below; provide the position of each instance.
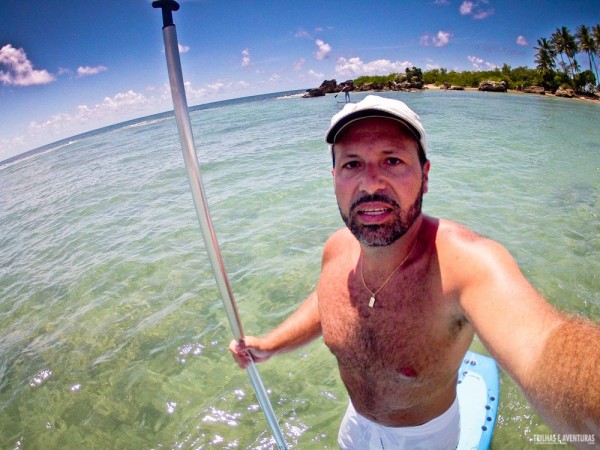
(514, 91)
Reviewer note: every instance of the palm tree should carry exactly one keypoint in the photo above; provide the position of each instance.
(564, 43)
(596, 34)
(556, 41)
(544, 58)
(586, 44)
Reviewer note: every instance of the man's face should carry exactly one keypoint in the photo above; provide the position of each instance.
(379, 181)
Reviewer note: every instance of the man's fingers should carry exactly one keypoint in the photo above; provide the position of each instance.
(238, 351)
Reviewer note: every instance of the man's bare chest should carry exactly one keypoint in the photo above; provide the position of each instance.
(409, 328)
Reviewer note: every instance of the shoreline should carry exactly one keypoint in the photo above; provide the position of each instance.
(514, 91)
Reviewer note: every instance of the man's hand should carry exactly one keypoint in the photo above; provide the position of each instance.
(249, 344)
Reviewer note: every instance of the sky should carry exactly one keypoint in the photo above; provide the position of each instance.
(74, 66)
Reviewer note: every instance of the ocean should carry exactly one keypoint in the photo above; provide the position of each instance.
(112, 332)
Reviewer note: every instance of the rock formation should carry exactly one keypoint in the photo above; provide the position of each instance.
(565, 92)
(493, 86)
(534, 90)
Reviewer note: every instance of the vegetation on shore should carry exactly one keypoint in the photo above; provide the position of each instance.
(551, 53)
(556, 67)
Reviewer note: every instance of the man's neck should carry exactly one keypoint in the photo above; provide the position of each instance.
(390, 256)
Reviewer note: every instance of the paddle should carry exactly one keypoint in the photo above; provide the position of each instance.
(190, 157)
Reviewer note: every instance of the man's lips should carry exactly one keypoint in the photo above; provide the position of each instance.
(374, 202)
(373, 209)
(373, 212)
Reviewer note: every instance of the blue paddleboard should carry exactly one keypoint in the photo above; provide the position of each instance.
(477, 392)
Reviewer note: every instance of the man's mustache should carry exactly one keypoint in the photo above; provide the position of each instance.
(373, 198)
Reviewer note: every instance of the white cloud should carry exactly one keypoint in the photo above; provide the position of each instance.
(123, 100)
(6, 145)
(83, 71)
(299, 65)
(183, 48)
(466, 8)
(245, 57)
(484, 14)
(111, 109)
(522, 41)
(356, 67)
(17, 69)
(302, 34)
(478, 10)
(217, 87)
(323, 49)
(475, 60)
(440, 40)
(480, 64)
(122, 106)
(311, 73)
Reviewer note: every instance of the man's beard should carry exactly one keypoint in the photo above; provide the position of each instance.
(380, 235)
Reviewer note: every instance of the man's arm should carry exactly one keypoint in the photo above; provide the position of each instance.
(301, 327)
(553, 358)
(571, 359)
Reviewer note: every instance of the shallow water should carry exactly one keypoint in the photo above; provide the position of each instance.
(112, 334)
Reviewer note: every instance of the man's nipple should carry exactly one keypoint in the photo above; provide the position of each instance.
(408, 372)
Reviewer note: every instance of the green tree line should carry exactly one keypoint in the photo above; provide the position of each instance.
(556, 66)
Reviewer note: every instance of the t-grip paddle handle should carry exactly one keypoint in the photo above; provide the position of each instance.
(167, 6)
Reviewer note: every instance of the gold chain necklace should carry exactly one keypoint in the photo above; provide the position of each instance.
(362, 276)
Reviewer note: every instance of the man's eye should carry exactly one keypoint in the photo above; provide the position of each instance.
(351, 165)
(394, 161)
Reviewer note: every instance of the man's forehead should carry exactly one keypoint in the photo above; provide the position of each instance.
(374, 129)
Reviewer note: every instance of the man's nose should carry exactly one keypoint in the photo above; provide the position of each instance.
(372, 180)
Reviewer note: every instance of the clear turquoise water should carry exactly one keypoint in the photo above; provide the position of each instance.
(112, 334)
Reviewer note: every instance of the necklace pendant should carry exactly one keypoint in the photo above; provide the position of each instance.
(372, 301)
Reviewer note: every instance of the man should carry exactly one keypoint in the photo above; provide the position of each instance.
(346, 91)
(401, 295)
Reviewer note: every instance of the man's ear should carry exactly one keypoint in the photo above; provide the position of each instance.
(426, 168)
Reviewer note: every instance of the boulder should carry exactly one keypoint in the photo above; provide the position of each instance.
(313, 93)
(327, 87)
(456, 88)
(534, 90)
(493, 86)
(565, 92)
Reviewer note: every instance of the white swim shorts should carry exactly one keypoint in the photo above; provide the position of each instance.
(360, 433)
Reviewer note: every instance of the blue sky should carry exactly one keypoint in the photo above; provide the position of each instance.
(82, 65)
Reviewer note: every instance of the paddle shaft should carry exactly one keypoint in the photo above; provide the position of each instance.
(190, 158)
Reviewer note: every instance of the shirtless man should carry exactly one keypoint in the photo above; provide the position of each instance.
(401, 295)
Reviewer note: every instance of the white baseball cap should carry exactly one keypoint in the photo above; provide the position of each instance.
(375, 106)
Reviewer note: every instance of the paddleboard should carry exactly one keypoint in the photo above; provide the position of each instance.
(477, 391)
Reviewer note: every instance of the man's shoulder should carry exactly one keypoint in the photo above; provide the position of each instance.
(342, 237)
(452, 233)
(459, 246)
(339, 243)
